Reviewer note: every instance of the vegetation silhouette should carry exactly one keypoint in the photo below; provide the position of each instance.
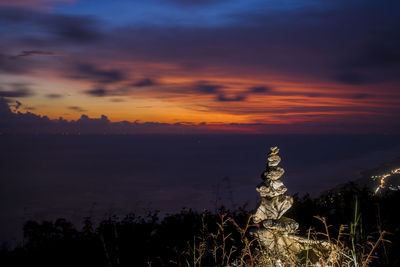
(192, 238)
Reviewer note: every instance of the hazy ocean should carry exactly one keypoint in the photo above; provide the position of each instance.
(47, 177)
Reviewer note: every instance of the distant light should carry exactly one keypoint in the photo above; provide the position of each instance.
(383, 177)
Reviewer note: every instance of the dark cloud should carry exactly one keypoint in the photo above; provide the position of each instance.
(361, 96)
(7, 100)
(44, 30)
(77, 108)
(93, 73)
(379, 51)
(8, 65)
(17, 105)
(314, 94)
(16, 93)
(352, 78)
(205, 87)
(145, 82)
(73, 28)
(384, 54)
(81, 29)
(259, 89)
(16, 90)
(18, 122)
(98, 92)
(105, 92)
(54, 96)
(271, 92)
(53, 28)
(4, 107)
(224, 98)
(302, 94)
(18, 15)
(32, 53)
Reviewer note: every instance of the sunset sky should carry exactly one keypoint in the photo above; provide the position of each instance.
(253, 66)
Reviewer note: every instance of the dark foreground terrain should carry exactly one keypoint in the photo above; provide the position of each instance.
(45, 177)
(205, 238)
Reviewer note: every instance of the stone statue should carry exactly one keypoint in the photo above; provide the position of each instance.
(276, 233)
(274, 203)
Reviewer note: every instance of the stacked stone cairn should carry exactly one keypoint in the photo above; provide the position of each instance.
(275, 232)
(274, 203)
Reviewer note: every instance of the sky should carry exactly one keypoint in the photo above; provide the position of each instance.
(200, 66)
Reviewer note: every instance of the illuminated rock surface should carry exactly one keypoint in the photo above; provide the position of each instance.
(276, 233)
(271, 188)
(274, 203)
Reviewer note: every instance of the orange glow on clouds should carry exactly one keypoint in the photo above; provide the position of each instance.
(172, 100)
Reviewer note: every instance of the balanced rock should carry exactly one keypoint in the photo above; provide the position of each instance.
(273, 150)
(276, 233)
(273, 160)
(272, 208)
(283, 224)
(273, 173)
(270, 188)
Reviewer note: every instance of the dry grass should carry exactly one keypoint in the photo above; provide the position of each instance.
(234, 246)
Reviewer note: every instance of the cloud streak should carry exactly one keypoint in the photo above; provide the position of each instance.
(77, 109)
(32, 53)
(92, 72)
(54, 96)
(145, 82)
(236, 98)
(16, 90)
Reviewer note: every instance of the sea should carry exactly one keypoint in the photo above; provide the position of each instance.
(45, 177)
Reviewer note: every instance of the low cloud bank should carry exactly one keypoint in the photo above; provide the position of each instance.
(16, 122)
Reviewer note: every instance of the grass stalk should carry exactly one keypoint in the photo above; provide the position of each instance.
(308, 247)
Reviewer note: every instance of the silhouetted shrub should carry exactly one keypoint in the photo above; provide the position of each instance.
(195, 238)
